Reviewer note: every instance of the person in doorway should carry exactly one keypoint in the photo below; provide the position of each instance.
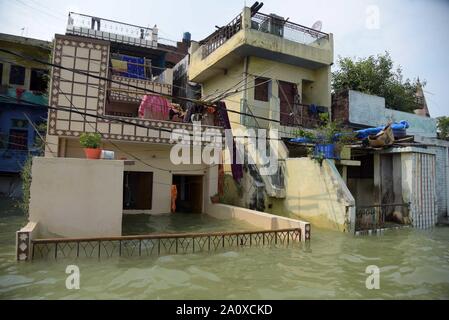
(174, 195)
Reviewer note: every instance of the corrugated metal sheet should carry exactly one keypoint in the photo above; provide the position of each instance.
(423, 204)
(441, 180)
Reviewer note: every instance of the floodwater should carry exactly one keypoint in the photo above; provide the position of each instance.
(413, 265)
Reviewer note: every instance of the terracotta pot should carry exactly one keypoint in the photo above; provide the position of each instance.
(215, 199)
(92, 153)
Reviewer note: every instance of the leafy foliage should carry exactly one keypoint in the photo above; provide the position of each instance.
(376, 76)
(90, 140)
(443, 127)
(25, 174)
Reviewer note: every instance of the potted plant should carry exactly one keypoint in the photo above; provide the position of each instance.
(328, 139)
(91, 143)
(215, 198)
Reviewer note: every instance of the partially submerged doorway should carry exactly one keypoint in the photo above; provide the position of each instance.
(137, 190)
(189, 193)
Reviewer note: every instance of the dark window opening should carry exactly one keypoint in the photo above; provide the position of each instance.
(1, 73)
(17, 75)
(261, 87)
(137, 190)
(18, 139)
(189, 193)
(38, 80)
(365, 170)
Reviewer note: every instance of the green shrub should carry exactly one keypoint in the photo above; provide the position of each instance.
(90, 140)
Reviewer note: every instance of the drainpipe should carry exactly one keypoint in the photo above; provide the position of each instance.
(245, 90)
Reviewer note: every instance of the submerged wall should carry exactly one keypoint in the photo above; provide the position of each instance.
(318, 194)
(77, 197)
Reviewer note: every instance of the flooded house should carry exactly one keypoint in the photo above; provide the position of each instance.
(402, 183)
(23, 87)
(274, 74)
(114, 80)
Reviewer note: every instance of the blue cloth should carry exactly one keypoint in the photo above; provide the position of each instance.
(301, 140)
(134, 71)
(396, 127)
(313, 109)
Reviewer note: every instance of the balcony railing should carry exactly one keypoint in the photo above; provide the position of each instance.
(303, 115)
(376, 216)
(219, 37)
(105, 29)
(289, 30)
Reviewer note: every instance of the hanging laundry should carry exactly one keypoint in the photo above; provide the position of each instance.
(154, 107)
(119, 66)
(128, 66)
(222, 113)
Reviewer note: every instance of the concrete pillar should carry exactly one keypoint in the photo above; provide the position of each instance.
(377, 179)
(246, 18)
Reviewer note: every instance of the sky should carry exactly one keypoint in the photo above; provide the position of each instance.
(415, 32)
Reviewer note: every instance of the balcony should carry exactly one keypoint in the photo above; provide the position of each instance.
(266, 36)
(110, 30)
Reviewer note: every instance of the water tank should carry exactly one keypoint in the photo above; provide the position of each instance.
(186, 37)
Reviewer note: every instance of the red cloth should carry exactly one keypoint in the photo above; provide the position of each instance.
(154, 107)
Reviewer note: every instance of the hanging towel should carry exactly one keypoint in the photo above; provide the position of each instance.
(119, 66)
(237, 169)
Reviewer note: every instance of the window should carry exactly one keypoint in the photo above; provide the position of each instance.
(1, 73)
(18, 139)
(17, 75)
(38, 80)
(261, 87)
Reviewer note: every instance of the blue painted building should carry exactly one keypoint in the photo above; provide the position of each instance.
(23, 98)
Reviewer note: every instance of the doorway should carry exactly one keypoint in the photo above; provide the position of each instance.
(286, 94)
(189, 193)
(137, 190)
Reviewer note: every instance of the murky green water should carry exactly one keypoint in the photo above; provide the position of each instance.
(414, 264)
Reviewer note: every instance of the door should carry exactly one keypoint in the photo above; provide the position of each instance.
(286, 94)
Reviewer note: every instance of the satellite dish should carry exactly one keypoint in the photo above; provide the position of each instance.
(317, 25)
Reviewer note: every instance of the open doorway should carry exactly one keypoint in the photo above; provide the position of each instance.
(189, 190)
(137, 190)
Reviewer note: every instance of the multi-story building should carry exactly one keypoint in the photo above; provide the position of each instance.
(23, 87)
(276, 74)
(281, 70)
(106, 69)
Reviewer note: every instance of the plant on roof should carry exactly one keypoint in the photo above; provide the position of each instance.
(90, 140)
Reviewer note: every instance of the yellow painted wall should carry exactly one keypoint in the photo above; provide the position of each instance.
(318, 194)
(29, 50)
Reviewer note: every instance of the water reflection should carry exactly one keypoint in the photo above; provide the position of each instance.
(414, 265)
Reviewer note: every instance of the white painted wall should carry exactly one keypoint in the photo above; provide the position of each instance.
(370, 110)
(77, 197)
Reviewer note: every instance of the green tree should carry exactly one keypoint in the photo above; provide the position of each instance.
(376, 75)
(443, 127)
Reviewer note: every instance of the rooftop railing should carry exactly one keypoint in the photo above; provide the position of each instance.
(278, 26)
(219, 37)
(271, 24)
(105, 29)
